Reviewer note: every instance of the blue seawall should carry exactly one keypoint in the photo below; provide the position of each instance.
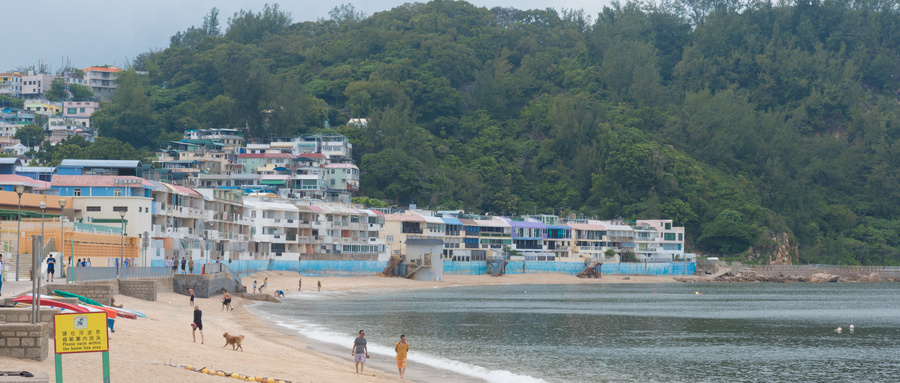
(573, 268)
(357, 268)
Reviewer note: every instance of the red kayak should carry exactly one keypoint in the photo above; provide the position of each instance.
(53, 303)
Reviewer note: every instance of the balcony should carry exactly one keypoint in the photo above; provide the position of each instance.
(409, 230)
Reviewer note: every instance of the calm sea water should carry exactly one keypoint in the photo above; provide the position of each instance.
(621, 333)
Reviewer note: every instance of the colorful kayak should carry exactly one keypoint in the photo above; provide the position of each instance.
(125, 313)
(53, 303)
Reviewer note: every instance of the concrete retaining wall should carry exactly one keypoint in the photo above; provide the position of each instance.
(205, 285)
(100, 292)
(140, 289)
(24, 340)
(23, 315)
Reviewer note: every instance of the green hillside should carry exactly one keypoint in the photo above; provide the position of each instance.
(758, 127)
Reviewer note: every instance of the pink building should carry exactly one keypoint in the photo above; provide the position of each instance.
(34, 86)
(80, 108)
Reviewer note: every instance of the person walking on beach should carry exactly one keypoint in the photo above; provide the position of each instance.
(320, 286)
(197, 324)
(226, 301)
(300, 285)
(265, 283)
(191, 266)
(360, 351)
(401, 348)
(191, 291)
(51, 268)
(254, 287)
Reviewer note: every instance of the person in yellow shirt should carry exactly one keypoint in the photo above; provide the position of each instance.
(401, 348)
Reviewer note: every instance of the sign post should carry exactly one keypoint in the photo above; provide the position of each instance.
(81, 332)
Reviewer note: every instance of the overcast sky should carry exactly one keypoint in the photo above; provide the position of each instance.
(96, 33)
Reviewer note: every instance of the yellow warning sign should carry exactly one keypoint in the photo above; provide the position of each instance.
(80, 332)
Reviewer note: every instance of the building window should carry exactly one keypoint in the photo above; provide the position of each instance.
(76, 192)
(71, 110)
(140, 209)
(120, 208)
(668, 226)
(389, 238)
(117, 192)
(93, 208)
(680, 237)
(669, 236)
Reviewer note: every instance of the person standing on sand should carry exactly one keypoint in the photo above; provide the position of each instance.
(197, 324)
(191, 266)
(254, 287)
(226, 301)
(265, 283)
(360, 351)
(300, 285)
(401, 348)
(320, 286)
(191, 291)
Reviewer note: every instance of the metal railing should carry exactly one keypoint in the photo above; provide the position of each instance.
(85, 274)
(145, 272)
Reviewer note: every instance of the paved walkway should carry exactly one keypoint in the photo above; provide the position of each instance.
(13, 288)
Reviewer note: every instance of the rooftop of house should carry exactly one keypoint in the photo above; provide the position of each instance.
(265, 155)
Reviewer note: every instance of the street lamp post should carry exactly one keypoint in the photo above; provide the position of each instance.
(62, 242)
(19, 190)
(122, 251)
(37, 257)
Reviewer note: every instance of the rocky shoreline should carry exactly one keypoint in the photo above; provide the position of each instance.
(781, 277)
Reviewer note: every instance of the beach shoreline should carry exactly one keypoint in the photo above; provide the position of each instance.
(141, 349)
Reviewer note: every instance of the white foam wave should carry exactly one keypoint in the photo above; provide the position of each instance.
(321, 334)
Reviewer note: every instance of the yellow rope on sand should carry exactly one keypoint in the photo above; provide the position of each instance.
(222, 373)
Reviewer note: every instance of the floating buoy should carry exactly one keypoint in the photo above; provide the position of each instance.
(189, 367)
(234, 375)
(851, 327)
(220, 373)
(204, 370)
(838, 330)
(697, 292)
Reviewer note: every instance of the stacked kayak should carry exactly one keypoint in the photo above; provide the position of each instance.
(129, 314)
(48, 301)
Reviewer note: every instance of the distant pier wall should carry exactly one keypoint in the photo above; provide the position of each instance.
(357, 268)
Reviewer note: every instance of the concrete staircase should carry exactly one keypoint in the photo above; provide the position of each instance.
(9, 267)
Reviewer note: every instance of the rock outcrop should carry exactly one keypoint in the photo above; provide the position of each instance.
(822, 277)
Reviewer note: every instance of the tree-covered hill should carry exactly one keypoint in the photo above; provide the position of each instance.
(757, 126)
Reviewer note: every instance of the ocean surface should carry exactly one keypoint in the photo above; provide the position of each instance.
(676, 332)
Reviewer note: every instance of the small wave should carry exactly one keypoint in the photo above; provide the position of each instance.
(321, 334)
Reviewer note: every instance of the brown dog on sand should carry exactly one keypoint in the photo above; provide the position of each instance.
(234, 341)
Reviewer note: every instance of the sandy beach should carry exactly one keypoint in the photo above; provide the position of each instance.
(140, 349)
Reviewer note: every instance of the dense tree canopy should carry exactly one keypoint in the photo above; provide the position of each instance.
(740, 120)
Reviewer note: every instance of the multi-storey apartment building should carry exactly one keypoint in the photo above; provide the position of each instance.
(11, 84)
(35, 85)
(101, 80)
(671, 238)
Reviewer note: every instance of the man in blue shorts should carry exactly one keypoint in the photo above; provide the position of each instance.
(51, 267)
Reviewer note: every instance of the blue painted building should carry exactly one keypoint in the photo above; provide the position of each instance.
(100, 168)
